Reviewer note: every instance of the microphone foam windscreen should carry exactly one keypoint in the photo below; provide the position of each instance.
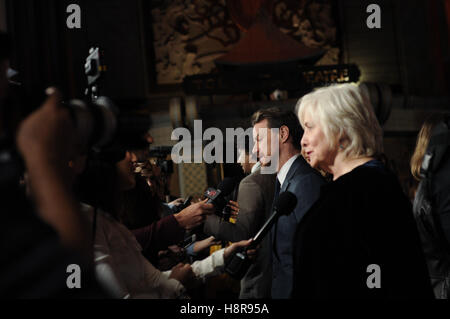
(286, 203)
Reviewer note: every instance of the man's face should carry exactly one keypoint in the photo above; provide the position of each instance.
(262, 138)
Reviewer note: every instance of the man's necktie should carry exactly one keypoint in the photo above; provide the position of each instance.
(276, 193)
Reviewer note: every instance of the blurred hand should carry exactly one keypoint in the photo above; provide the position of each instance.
(46, 140)
(234, 208)
(183, 273)
(204, 244)
(194, 215)
(230, 250)
(177, 202)
(252, 253)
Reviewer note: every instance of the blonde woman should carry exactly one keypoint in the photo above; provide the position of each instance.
(432, 200)
(359, 240)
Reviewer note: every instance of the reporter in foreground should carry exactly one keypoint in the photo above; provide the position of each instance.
(46, 141)
(42, 237)
(359, 240)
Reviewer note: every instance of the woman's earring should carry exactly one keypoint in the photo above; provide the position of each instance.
(341, 147)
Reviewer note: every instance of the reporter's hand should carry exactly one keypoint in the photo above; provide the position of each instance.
(235, 246)
(183, 273)
(252, 253)
(194, 215)
(177, 202)
(234, 208)
(205, 243)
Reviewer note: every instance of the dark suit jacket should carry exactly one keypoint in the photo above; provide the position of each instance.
(255, 202)
(304, 182)
(361, 219)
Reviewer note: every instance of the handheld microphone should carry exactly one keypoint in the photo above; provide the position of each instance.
(217, 196)
(239, 263)
(185, 204)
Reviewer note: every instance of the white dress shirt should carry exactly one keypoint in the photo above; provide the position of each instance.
(285, 169)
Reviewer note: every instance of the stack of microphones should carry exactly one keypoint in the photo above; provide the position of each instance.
(217, 197)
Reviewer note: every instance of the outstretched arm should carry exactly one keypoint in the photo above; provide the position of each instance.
(251, 215)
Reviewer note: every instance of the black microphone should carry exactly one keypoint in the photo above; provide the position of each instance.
(225, 188)
(284, 205)
(217, 196)
(185, 204)
(227, 185)
(239, 263)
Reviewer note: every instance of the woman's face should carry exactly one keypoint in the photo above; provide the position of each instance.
(125, 173)
(315, 147)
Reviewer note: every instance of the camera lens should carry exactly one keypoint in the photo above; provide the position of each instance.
(95, 123)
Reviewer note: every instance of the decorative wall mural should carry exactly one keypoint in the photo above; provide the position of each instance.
(190, 34)
(310, 22)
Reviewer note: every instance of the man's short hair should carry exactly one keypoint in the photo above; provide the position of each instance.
(277, 118)
(5, 46)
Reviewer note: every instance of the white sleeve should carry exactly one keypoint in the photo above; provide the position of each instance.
(156, 285)
(160, 285)
(105, 267)
(149, 282)
(210, 266)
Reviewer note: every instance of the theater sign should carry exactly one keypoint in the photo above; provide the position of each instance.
(260, 79)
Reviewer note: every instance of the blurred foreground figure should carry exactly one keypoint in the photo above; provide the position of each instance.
(44, 239)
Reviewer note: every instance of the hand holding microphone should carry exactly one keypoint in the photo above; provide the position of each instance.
(217, 197)
(237, 265)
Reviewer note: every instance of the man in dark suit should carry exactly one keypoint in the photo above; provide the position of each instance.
(255, 202)
(283, 150)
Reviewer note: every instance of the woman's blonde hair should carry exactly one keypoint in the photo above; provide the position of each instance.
(422, 143)
(344, 111)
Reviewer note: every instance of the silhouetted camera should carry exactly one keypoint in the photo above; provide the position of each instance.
(100, 124)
